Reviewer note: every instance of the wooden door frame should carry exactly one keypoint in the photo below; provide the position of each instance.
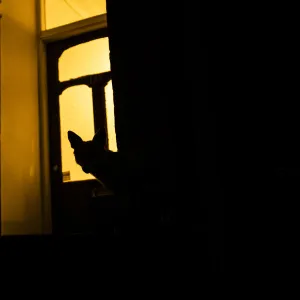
(45, 37)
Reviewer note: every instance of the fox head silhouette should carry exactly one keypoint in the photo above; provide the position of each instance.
(94, 158)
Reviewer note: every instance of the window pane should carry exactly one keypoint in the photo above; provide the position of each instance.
(110, 115)
(76, 114)
(76, 103)
(85, 59)
(62, 12)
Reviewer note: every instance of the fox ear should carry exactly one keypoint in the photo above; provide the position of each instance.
(74, 139)
(100, 137)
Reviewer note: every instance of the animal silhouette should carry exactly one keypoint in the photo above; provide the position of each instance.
(94, 158)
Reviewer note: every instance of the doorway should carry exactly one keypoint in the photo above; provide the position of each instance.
(80, 98)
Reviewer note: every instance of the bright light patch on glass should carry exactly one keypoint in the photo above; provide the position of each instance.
(76, 114)
(76, 103)
(110, 114)
(85, 59)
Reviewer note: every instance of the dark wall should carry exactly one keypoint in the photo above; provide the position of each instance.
(143, 126)
(164, 122)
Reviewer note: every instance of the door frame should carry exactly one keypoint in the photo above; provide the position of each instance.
(45, 37)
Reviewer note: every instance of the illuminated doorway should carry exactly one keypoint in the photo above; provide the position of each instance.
(80, 98)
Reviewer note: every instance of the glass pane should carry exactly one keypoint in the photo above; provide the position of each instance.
(110, 116)
(85, 59)
(76, 103)
(76, 114)
(62, 12)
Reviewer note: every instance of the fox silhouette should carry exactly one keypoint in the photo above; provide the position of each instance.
(95, 158)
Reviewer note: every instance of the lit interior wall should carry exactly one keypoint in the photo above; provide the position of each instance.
(76, 104)
(62, 12)
(20, 165)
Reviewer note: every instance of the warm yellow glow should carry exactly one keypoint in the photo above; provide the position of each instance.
(76, 104)
(110, 114)
(21, 205)
(85, 59)
(63, 12)
(76, 114)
